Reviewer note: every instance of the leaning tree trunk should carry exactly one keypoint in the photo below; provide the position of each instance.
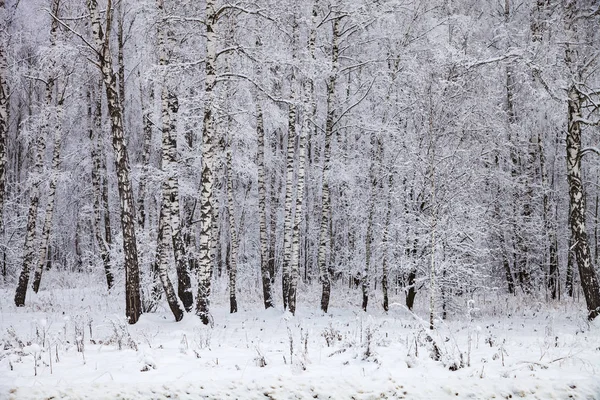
(132, 278)
(162, 262)
(206, 200)
(325, 228)
(28, 249)
(581, 248)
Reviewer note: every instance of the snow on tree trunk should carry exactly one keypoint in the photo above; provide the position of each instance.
(29, 247)
(549, 225)
(95, 135)
(366, 274)
(289, 183)
(132, 279)
(206, 200)
(325, 228)
(232, 233)
(580, 247)
(162, 262)
(170, 108)
(147, 126)
(295, 256)
(4, 111)
(50, 201)
(385, 243)
(262, 205)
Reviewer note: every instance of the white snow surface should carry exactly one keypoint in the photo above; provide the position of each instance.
(539, 351)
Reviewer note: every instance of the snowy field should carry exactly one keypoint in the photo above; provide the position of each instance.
(72, 343)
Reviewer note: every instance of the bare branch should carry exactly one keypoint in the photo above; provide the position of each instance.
(73, 31)
(356, 103)
(222, 77)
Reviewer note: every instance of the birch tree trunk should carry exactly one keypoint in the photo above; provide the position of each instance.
(37, 278)
(4, 111)
(206, 200)
(233, 255)
(162, 263)
(28, 248)
(325, 228)
(365, 278)
(295, 256)
(549, 225)
(170, 108)
(289, 183)
(95, 131)
(385, 243)
(262, 205)
(581, 248)
(147, 124)
(132, 279)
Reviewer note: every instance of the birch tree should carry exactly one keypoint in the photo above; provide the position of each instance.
(95, 134)
(4, 106)
(206, 191)
(325, 229)
(29, 247)
(101, 35)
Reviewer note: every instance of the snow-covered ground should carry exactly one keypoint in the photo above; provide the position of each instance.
(504, 350)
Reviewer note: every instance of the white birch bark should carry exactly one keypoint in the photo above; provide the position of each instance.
(95, 130)
(289, 183)
(50, 201)
(170, 108)
(147, 126)
(4, 108)
(295, 251)
(233, 234)
(262, 205)
(132, 292)
(325, 229)
(580, 246)
(206, 200)
(29, 247)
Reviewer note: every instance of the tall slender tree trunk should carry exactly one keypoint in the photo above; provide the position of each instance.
(132, 279)
(50, 202)
(206, 200)
(29, 247)
(4, 113)
(325, 228)
(366, 274)
(385, 243)
(233, 255)
(95, 134)
(295, 256)
(262, 205)
(289, 183)
(581, 248)
(147, 126)
(162, 262)
(170, 108)
(550, 226)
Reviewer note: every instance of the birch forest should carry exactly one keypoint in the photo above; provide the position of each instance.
(290, 154)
